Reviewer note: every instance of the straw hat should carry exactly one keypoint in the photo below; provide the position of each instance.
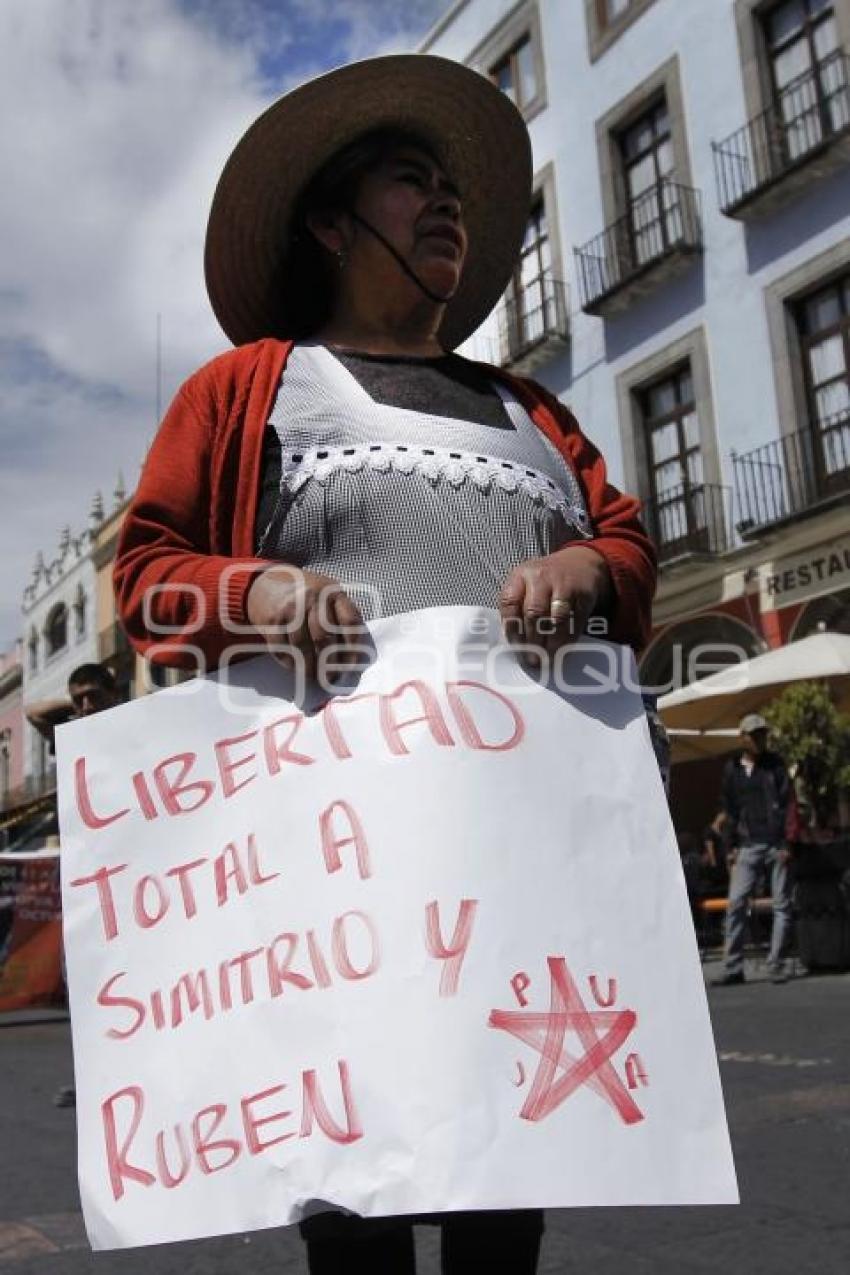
(475, 129)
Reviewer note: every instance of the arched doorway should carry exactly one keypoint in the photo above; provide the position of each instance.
(693, 649)
(831, 613)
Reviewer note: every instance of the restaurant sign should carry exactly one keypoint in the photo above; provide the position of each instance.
(825, 568)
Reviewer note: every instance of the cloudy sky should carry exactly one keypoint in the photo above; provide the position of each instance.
(117, 118)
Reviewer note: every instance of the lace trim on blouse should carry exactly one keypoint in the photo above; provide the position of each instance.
(437, 464)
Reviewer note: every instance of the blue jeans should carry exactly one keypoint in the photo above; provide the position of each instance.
(751, 861)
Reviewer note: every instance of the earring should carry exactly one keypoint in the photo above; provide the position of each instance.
(341, 258)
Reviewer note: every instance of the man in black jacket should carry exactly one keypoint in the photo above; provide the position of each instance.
(754, 800)
(91, 689)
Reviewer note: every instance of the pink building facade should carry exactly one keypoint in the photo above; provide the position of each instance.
(11, 722)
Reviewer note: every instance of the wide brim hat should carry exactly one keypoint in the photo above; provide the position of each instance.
(475, 130)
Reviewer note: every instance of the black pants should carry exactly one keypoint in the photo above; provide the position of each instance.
(486, 1242)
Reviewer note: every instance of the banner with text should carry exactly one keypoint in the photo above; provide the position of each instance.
(422, 947)
(30, 931)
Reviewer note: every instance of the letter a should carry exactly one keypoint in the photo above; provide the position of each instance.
(224, 873)
(332, 843)
(636, 1072)
(431, 715)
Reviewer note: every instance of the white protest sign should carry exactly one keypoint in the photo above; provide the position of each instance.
(426, 949)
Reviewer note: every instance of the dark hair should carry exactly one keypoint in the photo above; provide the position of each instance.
(100, 674)
(307, 268)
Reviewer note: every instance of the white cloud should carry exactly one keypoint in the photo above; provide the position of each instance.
(125, 112)
(123, 115)
(118, 116)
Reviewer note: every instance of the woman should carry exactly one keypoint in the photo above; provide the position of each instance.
(341, 463)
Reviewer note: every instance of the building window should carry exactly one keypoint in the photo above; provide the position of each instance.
(807, 74)
(670, 453)
(527, 293)
(674, 461)
(686, 513)
(531, 323)
(652, 229)
(823, 321)
(515, 74)
(512, 57)
(5, 762)
(56, 629)
(796, 80)
(653, 210)
(32, 647)
(80, 605)
(608, 19)
(804, 458)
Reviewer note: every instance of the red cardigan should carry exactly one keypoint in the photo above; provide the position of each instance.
(185, 558)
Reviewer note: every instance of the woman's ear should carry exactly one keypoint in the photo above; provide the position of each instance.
(327, 229)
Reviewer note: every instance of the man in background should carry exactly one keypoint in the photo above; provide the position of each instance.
(91, 689)
(754, 800)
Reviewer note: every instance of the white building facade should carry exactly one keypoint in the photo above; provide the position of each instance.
(685, 282)
(59, 629)
(685, 288)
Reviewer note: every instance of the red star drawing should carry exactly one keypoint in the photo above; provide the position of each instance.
(600, 1032)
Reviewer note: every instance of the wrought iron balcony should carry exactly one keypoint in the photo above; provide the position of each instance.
(687, 521)
(10, 679)
(533, 323)
(653, 242)
(805, 134)
(793, 474)
(31, 793)
(482, 347)
(528, 326)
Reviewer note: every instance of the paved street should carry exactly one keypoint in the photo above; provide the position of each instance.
(785, 1057)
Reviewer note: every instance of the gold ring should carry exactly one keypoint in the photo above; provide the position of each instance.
(561, 605)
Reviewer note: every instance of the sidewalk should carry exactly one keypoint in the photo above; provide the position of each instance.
(31, 1017)
(785, 1064)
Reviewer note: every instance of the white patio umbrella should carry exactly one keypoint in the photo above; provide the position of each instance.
(721, 700)
(697, 745)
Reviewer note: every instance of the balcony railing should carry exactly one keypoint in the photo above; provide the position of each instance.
(792, 474)
(811, 115)
(689, 520)
(652, 242)
(33, 789)
(533, 321)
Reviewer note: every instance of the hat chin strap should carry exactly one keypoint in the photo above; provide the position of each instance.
(423, 287)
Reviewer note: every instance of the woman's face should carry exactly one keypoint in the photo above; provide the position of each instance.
(413, 203)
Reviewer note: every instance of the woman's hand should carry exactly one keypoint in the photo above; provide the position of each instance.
(546, 602)
(301, 614)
